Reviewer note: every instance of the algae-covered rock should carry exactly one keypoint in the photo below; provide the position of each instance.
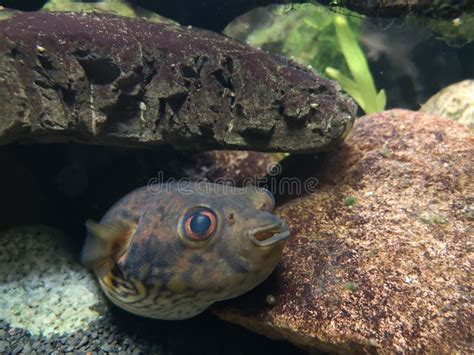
(117, 7)
(380, 256)
(455, 101)
(102, 79)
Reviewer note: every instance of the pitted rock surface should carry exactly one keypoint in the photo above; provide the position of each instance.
(102, 79)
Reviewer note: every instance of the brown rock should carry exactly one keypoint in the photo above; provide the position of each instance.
(109, 80)
(240, 168)
(381, 255)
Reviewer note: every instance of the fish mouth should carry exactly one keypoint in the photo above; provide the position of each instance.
(269, 234)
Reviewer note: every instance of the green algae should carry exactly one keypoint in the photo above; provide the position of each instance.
(5, 15)
(430, 217)
(351, 286)
(350, 201)
(117, 7)
(385, 151)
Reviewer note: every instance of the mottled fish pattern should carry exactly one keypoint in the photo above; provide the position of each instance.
(168, 251)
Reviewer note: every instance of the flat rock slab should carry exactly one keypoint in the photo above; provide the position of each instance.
(380, 259)
(103, 79)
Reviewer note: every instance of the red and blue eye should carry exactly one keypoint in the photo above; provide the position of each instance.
(200, 224)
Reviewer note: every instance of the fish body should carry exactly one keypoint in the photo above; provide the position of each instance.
(168, 251)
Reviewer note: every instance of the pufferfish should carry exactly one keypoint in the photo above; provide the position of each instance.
(168, 251)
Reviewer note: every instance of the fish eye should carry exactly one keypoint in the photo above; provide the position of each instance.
(200, 224)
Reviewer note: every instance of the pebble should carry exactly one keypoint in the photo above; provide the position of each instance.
(83, 341)
(3, 345)
(18, 349)
(106, 347)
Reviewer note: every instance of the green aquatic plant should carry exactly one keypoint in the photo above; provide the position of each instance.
(361, 86)
(315, 36)
(302, 32)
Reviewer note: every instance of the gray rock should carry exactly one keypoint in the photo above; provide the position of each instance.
(455, 101)
(103, 79)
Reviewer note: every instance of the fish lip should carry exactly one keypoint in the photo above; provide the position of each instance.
(282, 234)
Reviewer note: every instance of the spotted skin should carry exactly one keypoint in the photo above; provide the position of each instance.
(163, 274)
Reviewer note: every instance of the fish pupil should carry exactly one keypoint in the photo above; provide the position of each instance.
(200, 224)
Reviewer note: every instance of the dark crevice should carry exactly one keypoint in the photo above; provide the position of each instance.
(188, 72)
(15, 53)
(82, 54)
(194, 70)
(175, 102)
(223, 81)
(162, 110)
(121, 115)
(258, 132)
(129, 84)
(321, 89)
(149, 77)
(43, 82)
(100, 71)
(68, 96)
(207, 131)
(281, 110)
(45, 62)
(228, 64)
(239, 110)
(199, 63)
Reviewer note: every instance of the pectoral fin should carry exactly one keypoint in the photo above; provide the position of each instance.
(105, 244)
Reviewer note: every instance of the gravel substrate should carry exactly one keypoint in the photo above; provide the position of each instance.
(43, 288)
(121, 333)
(49, 304)
(100, 338)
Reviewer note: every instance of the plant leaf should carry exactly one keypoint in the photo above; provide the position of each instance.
(359, 68)
(381, 100)
(347, 84)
